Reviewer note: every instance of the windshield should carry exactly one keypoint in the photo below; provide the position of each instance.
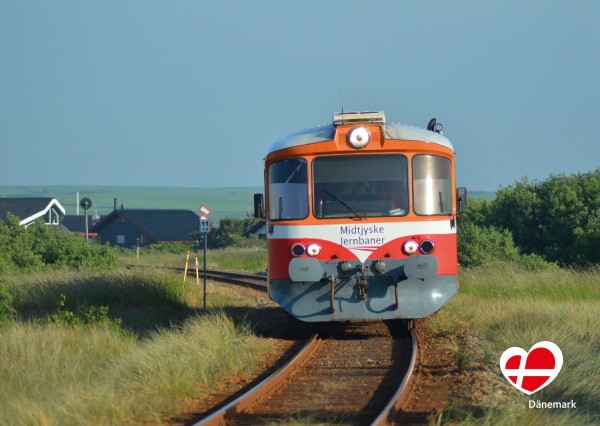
(360, 186)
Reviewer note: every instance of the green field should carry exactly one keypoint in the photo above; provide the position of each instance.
(223, 202)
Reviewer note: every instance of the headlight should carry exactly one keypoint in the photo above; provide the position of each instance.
(298, 250)
(359, 137)
(313, 249)
(410, 247)
(426, 246)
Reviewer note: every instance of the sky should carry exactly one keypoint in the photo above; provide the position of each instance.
(192, 93)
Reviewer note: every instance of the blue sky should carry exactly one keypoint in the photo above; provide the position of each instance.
(191, 93)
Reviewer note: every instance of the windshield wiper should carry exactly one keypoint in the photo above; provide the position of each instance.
(343, 203)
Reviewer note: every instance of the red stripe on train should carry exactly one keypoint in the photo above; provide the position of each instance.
(280, 255)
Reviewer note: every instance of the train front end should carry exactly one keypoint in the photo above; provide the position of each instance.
(361, 218)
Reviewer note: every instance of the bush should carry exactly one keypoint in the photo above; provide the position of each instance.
(6, 310)
(84, 316)
(558, 218)
(41, 245)
(232, 233)
(479, 246)
(534, 262)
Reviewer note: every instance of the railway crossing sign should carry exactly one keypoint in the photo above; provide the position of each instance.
(204, 220)
(205, 230)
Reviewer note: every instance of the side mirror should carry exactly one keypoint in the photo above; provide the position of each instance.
(259, 206)
(461, 199)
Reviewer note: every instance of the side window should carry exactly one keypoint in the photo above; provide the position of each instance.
(288, 189)
(432, 185)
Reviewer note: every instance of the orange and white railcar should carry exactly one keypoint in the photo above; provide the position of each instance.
(361, 218)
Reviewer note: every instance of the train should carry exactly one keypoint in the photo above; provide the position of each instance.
(361, 218)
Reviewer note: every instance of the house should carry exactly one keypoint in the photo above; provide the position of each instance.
(31, 210)
(259, 230)
(75, 224)
(130, 227)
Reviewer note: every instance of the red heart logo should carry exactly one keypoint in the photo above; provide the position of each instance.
(531, 371)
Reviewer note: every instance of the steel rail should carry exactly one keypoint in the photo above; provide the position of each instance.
(236, 274)
(399, 398)
(236, 406)
(237, 278)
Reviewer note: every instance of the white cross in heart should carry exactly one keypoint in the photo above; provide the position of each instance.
(531, 371)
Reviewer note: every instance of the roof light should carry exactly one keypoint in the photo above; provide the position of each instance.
(359, 137)
(348, 118)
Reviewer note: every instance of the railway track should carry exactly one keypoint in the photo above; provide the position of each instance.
(356, 374)
(352, 373)
(256, 282)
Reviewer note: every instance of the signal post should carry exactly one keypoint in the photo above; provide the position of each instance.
(204, 230)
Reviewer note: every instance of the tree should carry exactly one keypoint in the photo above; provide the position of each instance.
(558, 218)
(231, 232)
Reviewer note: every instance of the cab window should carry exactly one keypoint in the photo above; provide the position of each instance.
(432, 185)
(288, 189)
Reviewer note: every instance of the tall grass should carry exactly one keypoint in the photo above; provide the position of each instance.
(142, 299)
(512, 307)
(53, 374)
(38, 291)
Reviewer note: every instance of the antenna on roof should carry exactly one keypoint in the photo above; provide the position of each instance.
(342, 100)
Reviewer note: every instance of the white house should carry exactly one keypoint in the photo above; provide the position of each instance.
(31, 210)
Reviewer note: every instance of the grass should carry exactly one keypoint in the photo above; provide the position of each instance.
(143, 299)
(170, 351)
(510, 307)
(251, 260)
